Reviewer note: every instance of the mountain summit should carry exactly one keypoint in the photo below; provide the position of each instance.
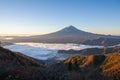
(70, 30)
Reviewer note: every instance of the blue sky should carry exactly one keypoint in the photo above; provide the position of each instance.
(45, 16)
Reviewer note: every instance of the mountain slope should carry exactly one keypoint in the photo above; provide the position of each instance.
(93, 67)
(69, 34)
(15, 66)
(70, 30)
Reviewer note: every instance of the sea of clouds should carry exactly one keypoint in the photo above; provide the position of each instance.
(45, 51)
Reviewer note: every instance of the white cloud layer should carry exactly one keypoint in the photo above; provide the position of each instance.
(44, 51)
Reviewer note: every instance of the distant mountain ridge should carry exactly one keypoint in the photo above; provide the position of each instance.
(91, 51)
(102, 42)
(68, 34)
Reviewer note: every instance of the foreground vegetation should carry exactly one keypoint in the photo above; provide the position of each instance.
(15, 66)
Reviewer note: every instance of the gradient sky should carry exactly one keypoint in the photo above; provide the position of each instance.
(45, 16)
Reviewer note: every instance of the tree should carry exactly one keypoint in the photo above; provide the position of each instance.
(104, 43)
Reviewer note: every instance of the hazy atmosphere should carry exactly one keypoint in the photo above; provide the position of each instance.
(44, 16)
